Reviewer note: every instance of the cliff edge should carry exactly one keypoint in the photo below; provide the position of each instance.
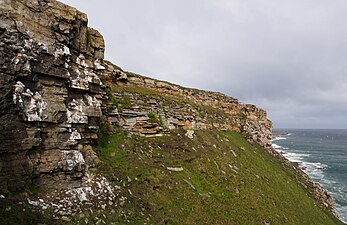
(55, 91)
(61, 102)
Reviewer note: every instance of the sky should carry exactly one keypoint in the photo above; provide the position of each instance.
(287, 57)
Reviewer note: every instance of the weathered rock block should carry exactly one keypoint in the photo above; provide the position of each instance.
(50, 63)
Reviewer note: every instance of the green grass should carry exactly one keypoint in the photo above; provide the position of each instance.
(211, 114)
(155, 118)
(256, 190)
(12, 213)
(119, 103)
(148, 93)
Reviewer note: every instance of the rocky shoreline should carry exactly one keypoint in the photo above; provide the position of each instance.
(58, 95)
(314, 187)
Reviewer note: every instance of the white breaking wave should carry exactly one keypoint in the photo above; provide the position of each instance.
(315, 170)
(295, 157)
(278, 138)
(276, 146)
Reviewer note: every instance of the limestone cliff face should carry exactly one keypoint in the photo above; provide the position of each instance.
(50, 93)
(56, 90)
(187, 108)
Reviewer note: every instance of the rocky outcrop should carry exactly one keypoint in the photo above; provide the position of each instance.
(50, 93)
(56, 91)
(174, 106)
(53, 98)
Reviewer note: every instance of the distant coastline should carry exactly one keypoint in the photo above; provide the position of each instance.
(279, 133)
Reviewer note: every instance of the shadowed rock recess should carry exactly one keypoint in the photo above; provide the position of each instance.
(58, 95)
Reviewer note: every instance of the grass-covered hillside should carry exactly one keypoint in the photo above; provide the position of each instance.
(171, 175)
(216, 177)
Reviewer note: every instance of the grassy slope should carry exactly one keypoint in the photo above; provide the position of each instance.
(16, 214)
(215, 186)
(257, 189)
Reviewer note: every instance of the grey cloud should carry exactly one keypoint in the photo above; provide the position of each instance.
(288, 57)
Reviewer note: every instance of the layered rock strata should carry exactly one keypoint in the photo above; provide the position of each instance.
(56, 90)
(50, 93)
(184, 107)
(53, 97)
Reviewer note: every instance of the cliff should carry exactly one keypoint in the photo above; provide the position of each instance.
(50, 91)
(58, 96)
(177, 107)
(54, 83)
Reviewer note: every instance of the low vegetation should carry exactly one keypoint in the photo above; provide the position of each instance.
(214, 178)
(12, 213)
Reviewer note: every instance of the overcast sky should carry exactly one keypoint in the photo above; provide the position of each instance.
(287, 57)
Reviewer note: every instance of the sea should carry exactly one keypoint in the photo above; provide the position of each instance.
(322, 154)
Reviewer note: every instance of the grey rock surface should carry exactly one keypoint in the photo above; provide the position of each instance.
(50, 93)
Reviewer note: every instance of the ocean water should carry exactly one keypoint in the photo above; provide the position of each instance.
(322, 154)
